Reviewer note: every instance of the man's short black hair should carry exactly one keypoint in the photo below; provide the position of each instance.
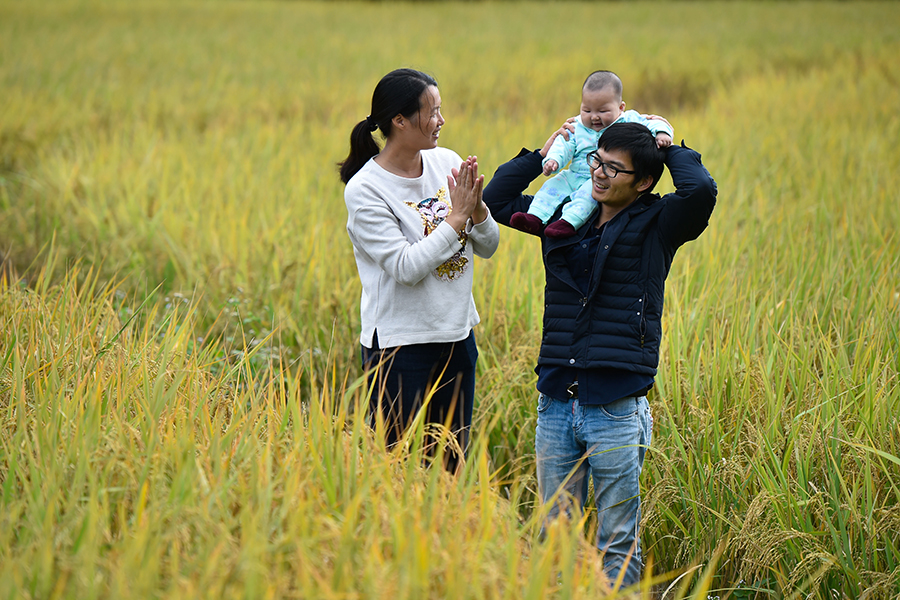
(640, 144)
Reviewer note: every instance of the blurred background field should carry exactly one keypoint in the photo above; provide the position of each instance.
(179, 302)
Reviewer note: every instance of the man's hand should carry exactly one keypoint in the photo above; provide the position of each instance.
(657, 118)
(550, 167)
(567, 127)
(663, 140)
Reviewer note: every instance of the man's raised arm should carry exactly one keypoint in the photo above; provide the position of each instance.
(503, 195)
(689, 207)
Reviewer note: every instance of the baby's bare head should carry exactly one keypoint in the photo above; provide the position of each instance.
(602, 80)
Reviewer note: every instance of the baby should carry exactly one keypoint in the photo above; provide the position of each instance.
(601, 106)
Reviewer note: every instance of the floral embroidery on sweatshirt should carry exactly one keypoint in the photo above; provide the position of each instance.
(433, 211)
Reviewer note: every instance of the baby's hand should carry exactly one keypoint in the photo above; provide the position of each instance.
(663, 140)
(550, 166)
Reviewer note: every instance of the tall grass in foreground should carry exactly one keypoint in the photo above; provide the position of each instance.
(129, 471)
(178, 423)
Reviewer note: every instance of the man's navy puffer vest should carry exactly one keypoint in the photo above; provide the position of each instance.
(618, 323)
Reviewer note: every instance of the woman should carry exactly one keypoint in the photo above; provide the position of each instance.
(416, 218)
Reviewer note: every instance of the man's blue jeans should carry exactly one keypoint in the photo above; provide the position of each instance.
(608, 443)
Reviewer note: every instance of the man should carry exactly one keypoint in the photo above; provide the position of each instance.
(602, 324)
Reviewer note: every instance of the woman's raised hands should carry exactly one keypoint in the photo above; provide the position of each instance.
(465, 186)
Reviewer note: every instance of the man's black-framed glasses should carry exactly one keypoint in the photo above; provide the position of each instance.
(594, 162)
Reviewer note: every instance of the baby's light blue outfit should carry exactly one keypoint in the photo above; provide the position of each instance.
(575, 182)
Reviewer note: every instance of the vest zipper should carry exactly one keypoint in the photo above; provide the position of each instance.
(643, 319)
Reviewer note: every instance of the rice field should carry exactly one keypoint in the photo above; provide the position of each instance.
(179, 366)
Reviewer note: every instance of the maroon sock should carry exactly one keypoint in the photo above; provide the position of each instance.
(527, 223)
(559, 229)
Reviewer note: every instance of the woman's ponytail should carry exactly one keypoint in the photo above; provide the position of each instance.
(362, 147)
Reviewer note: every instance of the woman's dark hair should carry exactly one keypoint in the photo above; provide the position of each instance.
(398, 93)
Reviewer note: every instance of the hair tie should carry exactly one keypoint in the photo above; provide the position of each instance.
(371, 123)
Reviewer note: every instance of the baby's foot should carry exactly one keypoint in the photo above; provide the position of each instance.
(527, 223)
(559, 229)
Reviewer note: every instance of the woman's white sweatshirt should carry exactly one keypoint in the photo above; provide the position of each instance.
(416, 271)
